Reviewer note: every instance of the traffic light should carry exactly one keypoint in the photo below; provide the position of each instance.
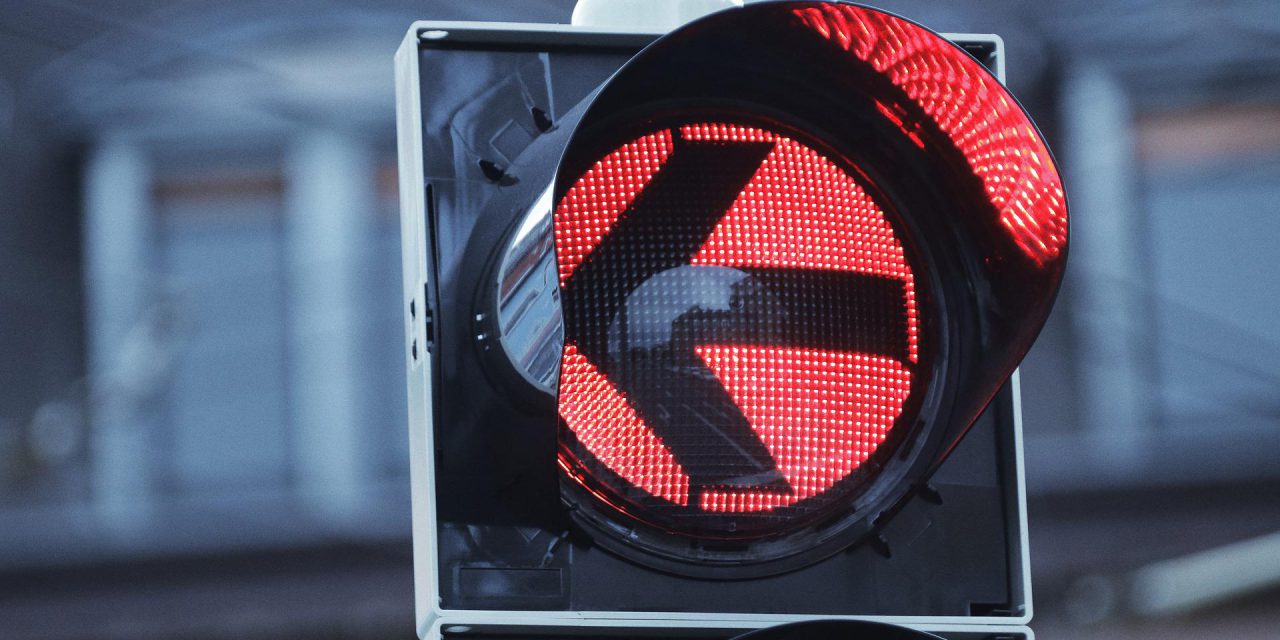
(828, 629)
(714, 331)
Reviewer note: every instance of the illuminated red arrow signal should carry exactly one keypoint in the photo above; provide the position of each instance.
(741, 325)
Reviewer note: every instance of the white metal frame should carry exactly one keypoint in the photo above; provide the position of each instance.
(516, 623)
(432, 620)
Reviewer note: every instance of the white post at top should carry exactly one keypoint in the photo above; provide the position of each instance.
(645, 15)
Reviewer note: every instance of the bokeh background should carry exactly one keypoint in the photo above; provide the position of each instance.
(202, 411)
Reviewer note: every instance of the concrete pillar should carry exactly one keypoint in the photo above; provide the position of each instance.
(329, 201)
(118, 250)
(1106, 281)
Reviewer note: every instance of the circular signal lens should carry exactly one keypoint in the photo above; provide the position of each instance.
(743, 336)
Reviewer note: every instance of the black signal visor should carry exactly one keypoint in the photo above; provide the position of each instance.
(799, 246)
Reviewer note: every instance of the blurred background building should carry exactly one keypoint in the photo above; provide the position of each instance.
(202, 430)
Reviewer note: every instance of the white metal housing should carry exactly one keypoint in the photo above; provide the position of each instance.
(432, 620)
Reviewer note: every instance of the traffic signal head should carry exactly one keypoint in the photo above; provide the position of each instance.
(828, 629)
(800, 247)
(704, 325)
